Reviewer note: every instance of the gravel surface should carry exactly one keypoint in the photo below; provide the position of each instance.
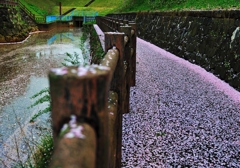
(180, 115)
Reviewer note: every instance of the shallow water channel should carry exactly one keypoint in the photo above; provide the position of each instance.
(23, 72)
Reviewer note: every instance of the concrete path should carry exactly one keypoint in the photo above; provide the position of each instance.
(180, 115)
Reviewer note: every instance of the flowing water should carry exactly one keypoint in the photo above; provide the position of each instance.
(23, 72)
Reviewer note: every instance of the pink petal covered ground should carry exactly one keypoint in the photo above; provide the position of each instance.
(180, 115)
(208, 77)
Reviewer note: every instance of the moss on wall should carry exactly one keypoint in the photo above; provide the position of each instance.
(15, 25)
(96, 51)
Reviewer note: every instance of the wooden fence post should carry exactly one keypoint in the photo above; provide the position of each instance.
(117, 85)
(125, 22)
(113, 134)
(76, 152)
(115, 25)
(110, 60)
(127, 63)
(83, 92)
(134, 47)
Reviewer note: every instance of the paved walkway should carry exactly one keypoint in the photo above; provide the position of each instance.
(180, 115)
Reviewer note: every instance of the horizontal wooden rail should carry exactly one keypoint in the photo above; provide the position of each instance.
(82, 147)
(87, 107)
(112, 24)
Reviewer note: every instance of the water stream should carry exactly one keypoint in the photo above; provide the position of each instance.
(23, 72)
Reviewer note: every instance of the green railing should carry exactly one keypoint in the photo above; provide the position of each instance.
(40, 19)
(50, 19)
(88, 15)
(26, 10)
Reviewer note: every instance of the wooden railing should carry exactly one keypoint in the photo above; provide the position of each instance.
(89, 16)
(88, 103)
(108, 24)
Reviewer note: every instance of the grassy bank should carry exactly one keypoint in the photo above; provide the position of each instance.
(162, 5)
(103, 7)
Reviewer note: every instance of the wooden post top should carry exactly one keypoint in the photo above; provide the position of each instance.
(79, 72)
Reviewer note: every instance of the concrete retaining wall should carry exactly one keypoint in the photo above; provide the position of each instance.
(207, 38)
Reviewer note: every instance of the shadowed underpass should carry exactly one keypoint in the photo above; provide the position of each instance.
(180, 115)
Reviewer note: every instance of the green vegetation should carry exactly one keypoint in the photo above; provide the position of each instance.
(103, 7)
(163, 5)
(41, 157)
(97, 52)
(71, 60)
(39, 7)
(44, 99)
(83, 48)
(44, 152)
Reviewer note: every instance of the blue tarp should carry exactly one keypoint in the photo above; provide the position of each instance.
(90, 14)
(56, 18)
(51, 18)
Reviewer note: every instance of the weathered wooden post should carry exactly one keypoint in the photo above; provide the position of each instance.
(110, 60)
(83, 92)
(118, 85)
(120, 20)
(125, 22)
(115, 25)
(127, 63)
(134, 47)
(76, 152)
(112, 24)
(97, 20)
(113, 133)
(109, 25)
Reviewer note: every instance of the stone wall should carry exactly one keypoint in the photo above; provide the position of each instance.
(15, 25)
(210, 39)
